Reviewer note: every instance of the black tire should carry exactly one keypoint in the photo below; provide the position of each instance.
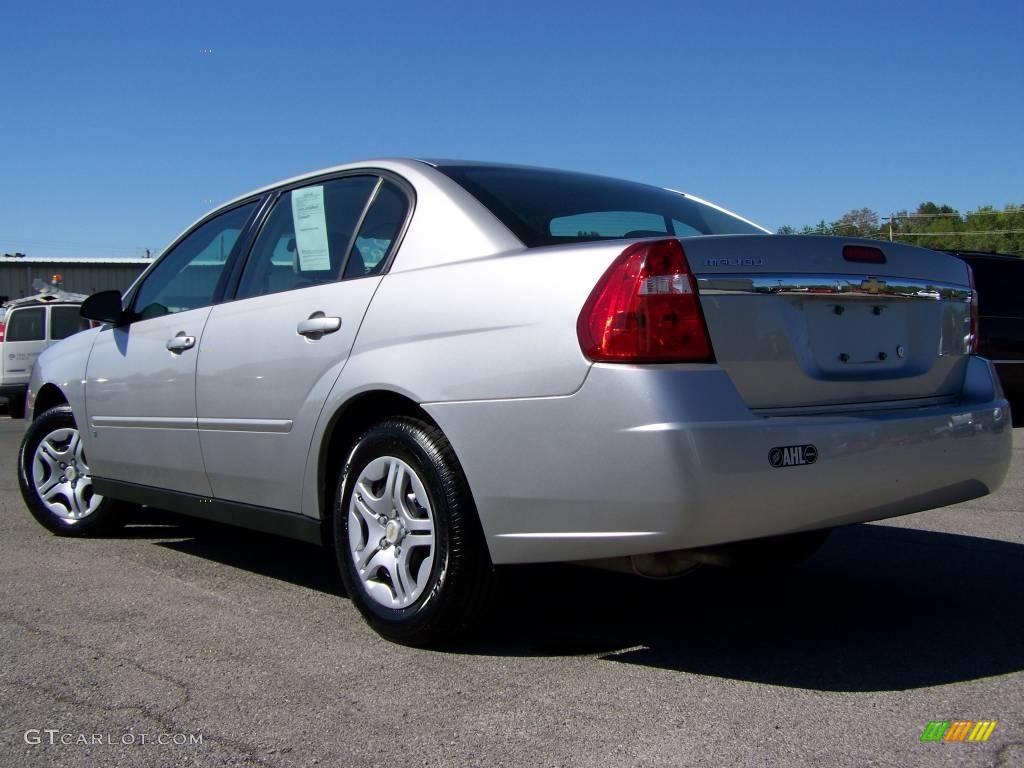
(108, 512)
(455, 592)
(16, 407)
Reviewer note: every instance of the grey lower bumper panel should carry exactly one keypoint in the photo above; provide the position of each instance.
(657, 458)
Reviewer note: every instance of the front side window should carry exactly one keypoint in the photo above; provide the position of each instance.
(27, 324)
(306, 236)
(544, 207)
(188, 276)
(66, 321)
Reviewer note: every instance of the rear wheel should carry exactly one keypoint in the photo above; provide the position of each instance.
(55, 479)
(408, 542)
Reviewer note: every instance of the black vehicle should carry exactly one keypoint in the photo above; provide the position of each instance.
(999, 280)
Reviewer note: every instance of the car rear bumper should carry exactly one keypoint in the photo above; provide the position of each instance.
(648, 459)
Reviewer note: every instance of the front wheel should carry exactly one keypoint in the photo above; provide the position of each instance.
(55, 480)
(408, 542)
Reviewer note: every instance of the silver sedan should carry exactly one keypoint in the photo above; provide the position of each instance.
(438, 367)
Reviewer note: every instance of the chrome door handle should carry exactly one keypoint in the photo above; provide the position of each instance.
(317, 325)
(181, 342)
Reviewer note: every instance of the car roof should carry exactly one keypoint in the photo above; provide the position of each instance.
(36, 301)
(399, 164)
(453, 163)
(382, 163)
(47, 299)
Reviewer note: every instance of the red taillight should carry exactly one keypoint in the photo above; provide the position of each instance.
(644, 309)
(972, 343)
(863, 253)
(3, 329)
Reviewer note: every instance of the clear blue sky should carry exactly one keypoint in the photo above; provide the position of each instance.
(116, 127)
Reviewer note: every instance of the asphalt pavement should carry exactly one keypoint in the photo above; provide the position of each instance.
(184, 643)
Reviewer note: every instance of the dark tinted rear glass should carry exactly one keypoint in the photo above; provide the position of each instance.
(65, 321)
(544, 207)
(1000, 285)
(26, 324)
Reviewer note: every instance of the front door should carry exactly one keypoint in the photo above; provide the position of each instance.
(270, 357)
(140, 379)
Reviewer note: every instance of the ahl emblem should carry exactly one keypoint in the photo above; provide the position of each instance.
(792, 455)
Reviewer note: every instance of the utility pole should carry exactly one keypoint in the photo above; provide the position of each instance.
(891, 215)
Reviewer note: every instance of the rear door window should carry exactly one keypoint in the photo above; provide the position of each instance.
(306, 237)
(27, 324)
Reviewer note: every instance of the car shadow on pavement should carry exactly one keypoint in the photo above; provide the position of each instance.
(302, 564)
(879, 608)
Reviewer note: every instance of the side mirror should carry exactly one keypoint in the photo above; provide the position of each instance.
(104, 306)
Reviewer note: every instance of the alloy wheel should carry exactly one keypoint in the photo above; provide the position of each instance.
(61, 476)
(391, 532)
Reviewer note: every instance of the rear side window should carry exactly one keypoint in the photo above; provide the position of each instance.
(306, 237)
(26, 324)
(544, 207)
(66, 321)
(377, 235)
(1000, 286)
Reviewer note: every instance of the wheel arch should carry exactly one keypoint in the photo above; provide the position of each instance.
(349, 421)
(49, 396)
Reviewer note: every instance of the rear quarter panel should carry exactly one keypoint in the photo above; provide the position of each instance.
(501, 326)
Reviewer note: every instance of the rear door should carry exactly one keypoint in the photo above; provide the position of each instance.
(269, 358)
(24, 340)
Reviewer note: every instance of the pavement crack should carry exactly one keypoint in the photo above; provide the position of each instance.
(161, 717)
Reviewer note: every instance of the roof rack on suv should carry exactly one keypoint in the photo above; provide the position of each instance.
(48, 296)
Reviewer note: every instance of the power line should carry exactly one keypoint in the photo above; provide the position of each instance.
(953, 234)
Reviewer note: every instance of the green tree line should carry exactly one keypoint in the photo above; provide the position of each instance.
(932, 226)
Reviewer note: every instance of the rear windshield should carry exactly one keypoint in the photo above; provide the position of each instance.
(544, 207)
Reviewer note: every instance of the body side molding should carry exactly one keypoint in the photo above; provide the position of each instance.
(264, 519)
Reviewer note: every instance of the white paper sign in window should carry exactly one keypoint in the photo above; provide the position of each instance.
(310, 222)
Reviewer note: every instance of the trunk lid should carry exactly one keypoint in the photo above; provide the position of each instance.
(796, 325)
